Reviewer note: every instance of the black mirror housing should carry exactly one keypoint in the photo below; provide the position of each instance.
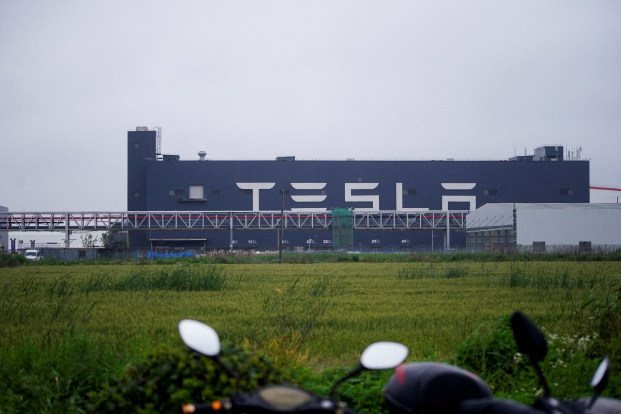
(529, 339)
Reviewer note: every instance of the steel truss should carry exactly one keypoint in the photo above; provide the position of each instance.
(219, 220)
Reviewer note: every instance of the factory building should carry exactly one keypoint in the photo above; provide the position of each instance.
(544, 227)
(161, 182)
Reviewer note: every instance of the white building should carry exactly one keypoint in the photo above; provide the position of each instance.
(545, 227)
(604, 194)
(4, 235)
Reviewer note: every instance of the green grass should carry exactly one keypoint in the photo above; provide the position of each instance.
(431, 307)
(321, 314)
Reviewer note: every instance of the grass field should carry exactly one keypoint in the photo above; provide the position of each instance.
(67, 330)
(334, 310)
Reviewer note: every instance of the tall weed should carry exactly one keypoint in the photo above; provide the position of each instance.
(178, 278)
(605, 317)
(294, 311)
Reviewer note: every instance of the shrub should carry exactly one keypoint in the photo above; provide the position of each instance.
(12, 260)
(51, 261)
(171, 377)
(571, 361)
(490, 351)
(362, 393)
(55, 381)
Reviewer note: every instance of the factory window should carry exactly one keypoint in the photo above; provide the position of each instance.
(136, 194)
(567, 191)
(81, 254)
(216, 192)
(176, 192)
(196, 192)
(492, 191)
(136, 144)
(245, 192)
(410, 191)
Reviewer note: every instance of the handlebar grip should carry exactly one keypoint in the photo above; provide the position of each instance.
(348, 410)
(491, 406)
(197, 408)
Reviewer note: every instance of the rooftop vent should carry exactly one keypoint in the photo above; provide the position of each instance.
(201, 155)
(142, 128)
(290, 158)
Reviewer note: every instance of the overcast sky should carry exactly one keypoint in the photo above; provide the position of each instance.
(314, 79)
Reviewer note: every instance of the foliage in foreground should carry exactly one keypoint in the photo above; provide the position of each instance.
(171, 377)
(492, 353)
(174, 376)
(56, 380)
(79, 374)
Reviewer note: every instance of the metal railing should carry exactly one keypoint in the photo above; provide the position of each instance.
(219, 220)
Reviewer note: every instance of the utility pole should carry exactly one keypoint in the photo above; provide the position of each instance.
(231, 232)
(515, 245)
(448, 232)
(282, 218)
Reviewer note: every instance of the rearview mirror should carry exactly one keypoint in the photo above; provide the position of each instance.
(200, 337)
(529, 339)
(599, 380)
(383, 355)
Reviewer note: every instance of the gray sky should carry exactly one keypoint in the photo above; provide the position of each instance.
(319, 79)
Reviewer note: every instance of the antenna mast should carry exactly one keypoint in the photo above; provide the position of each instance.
(158, 141)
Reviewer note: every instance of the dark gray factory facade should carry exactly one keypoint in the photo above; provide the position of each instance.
(158, 183)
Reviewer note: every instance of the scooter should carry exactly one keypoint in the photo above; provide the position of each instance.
(415, 388)
(283, 398)
(440, 388)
